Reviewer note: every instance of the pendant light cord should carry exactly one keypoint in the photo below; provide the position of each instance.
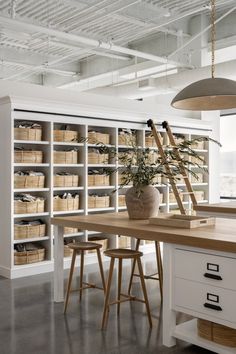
(213, 37)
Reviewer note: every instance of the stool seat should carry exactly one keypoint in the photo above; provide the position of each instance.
(84, 246)
(122, 253)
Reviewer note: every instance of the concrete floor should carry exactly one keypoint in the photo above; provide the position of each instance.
(32, 324)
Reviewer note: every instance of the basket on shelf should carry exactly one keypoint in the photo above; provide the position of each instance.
(200, 178)
(150, 140)
(95, 137)
(94, 157)
(28, 134)
(172, 198)
(157, 180)
(65, 180)
(200, 145)
(98, 201)
(216, 333)
(28, 253)
(28, 156)
(24, 206)
(22, 231)
(65, 135)
(126, 137)
(98, 180)
(121, 200)
(153, 156)
(101, 241)
(65, 157)
(27, 181)
(67, 251)
(66, 204)
(70, 230)
(200, 195)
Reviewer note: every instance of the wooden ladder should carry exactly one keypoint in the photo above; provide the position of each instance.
(182, 169)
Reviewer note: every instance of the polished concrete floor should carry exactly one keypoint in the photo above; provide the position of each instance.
(32, 324)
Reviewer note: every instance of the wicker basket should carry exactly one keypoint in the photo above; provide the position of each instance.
(65, 135)
(126, 139)
(157, 180)
(124, 242)
(67, 251)
(65, 157)
(28, 257)
(94, 137)
(200, 195)
(151, 142)
(195, 180)
(101, 241)
(121, 200)
(172, 198)
(29, 181)
(29, 207)
(98, 180)
(70, 230)
(66, 181)
(24, 156)
(96, 201)
(217, 333)
(27, 134)
(68, 204)
(29, 231)
(96, 158)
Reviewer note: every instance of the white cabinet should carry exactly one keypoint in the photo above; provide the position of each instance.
(52, 116)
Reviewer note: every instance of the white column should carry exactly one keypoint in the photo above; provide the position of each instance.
(58, 263)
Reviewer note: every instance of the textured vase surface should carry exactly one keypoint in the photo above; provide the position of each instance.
(142, 205)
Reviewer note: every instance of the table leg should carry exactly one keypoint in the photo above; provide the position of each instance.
(169, 315)
(58, 263)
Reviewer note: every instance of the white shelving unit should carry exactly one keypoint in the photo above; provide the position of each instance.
(52, 116)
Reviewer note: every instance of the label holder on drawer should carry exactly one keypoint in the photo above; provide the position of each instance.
(213, 267)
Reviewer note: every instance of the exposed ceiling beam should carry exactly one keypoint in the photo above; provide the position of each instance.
(107, 46)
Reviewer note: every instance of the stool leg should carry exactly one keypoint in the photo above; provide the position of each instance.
(101, 269)
(119, 285)
(144, 290)
(81, 274)
(133, 267)
(159, 267)
(108, 288)
(70, 279)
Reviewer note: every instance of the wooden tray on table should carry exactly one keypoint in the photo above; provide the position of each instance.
(182, 221)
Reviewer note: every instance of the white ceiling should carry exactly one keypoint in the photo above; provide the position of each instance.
(56, 42)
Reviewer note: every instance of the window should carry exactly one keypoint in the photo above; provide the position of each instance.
(228, 156)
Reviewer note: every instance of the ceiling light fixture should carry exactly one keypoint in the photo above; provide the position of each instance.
(208, 94)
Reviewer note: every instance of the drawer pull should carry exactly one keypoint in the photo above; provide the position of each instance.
(213, 307)
(212, 276)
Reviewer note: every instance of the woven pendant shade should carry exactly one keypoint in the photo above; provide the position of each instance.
(208, 94)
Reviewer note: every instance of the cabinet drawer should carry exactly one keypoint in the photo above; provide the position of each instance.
(206, 299)
(206, 268)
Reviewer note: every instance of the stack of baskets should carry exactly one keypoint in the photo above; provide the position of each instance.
(28, 204)
(65, 157)
(66, 202)
(95, 157)
(98, 201)
(29, 229)
(28, 253)
(65, 135)
(29, 179)
(127, 137)
(65, 179)
(27, 156)
(150, 140)
(28, 131)
(121, 200)
(97, 137)
(97, 178)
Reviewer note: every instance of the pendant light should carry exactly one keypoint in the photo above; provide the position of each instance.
(208, 94)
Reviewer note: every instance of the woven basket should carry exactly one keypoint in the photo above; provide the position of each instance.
(65, 135)
(67, 251)
(65, 204)
(66, 181)
(65, 157)
(29, 231)
(24, 156)
(101, 241)
(98, 180)
(70, 230)
(124, 242)
(27, 134)
(195, 180)
(121, 200)
(157, 180)
(29, 181)
(172, 198)
(94, 158)
(96, 201)
(28, 257)
(217, 333)
(200, 195)
(126, 139)
(29, 207)
(94, 137)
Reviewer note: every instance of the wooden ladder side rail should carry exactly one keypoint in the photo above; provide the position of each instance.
(157, 138)
(190, 190)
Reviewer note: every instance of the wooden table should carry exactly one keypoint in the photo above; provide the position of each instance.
(220, 210)
(188, 255)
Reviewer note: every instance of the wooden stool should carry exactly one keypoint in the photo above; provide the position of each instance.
(121, 254)
(151, 276)
(81, 247)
